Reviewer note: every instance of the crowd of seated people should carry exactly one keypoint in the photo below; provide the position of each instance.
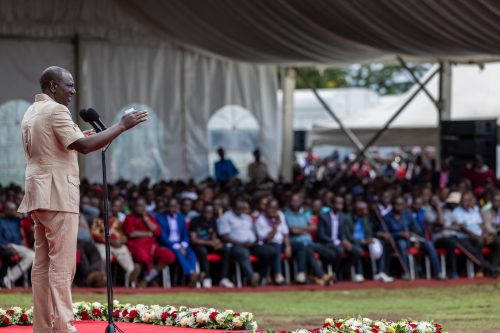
(320, 229)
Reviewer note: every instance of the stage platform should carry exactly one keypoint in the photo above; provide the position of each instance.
(100, 326)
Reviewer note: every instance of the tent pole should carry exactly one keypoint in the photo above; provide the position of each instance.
(77, 58)
(350, 135)
(288, 77)
(444, 104)
(417, 81)
(399, 111)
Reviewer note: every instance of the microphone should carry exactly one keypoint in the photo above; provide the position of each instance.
(92, 117)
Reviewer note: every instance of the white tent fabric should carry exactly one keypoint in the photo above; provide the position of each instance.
(475, 95)
(278, 31)
(173, 56)
(184, 89)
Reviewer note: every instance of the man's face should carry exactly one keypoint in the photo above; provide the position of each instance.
(186, 206)
(172, 207)
(296, 202)
(398, 206)
(361, 209)
(63, 90)
(338, 204)
(208, 212)
(496, 201)
(417, 204)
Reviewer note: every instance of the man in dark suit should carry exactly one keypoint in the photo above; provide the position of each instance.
(335, 239)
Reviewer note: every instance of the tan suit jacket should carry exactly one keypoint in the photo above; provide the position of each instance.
(52, 174)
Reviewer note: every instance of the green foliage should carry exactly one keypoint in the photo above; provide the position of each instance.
(384, 79)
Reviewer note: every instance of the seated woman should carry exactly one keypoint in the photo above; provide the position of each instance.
(175, 237)
(272, 230)
(142, 230)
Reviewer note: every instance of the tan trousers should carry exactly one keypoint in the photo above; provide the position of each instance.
(53, 270)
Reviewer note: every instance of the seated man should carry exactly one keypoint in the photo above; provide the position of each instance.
(470, 233)
(11, 242)
(204, 239)
(335, 239)
(491, 227)
(90, 267)
(362, 231)
(174, 236)
(118, 242)
(422, 236)
(142, 230)
(272, 230)
(236, 230)
(300, 228)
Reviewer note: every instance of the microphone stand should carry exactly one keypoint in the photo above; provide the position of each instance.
(111, 328)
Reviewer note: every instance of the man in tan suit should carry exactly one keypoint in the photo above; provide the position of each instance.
(51, 142)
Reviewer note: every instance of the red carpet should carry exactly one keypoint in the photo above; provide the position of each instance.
(100, 326)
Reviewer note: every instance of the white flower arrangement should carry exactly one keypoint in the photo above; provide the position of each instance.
(151, 314)
(367, 325)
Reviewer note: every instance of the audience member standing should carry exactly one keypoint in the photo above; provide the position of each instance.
(257, 170)
(224, 168)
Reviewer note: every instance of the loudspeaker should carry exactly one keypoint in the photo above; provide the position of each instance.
(463, 140)
(299, 140)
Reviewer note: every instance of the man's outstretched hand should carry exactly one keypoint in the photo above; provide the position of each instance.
(132, 119)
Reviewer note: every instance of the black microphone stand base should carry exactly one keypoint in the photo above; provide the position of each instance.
(111, 328)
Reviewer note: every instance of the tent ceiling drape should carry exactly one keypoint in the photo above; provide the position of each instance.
(278, 31)
(330, 31)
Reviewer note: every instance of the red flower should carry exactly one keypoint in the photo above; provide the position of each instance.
(374, 330)
(85, 315)
(237, 314)
(133, 314)
(164, 316)
(174, 314)
(438, 326)
(213, 315)
(413, 325)
(125, 313)
(337, 325)
(96, 313)
(116, 313)
(195, 313)
(6, 320)
(24, 317)
(282, 331)
(10, 312)
(325, 325)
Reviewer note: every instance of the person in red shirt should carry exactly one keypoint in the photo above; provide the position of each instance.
(142, 230)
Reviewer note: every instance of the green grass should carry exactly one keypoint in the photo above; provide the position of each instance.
(462, 309)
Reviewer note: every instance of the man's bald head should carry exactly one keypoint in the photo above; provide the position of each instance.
(58, 83)
(52, 73)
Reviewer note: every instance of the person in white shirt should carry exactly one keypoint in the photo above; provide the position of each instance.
(469, 221)
(237, 231)
(272, 230)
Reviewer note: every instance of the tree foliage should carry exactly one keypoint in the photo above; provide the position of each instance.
(384, 79)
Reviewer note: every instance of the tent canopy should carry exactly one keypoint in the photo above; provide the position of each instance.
(474, 95)
(279, 31)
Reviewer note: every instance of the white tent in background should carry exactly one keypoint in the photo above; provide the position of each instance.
(475, 95)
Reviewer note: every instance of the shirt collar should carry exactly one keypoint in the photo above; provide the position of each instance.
(42, 97)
